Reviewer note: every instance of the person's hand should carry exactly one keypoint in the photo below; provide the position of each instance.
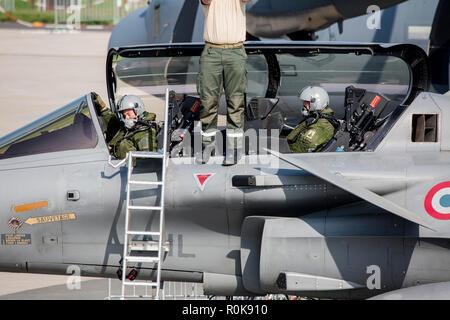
(206, 2)
(100, 106)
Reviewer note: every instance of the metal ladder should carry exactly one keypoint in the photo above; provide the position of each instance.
(127, 246)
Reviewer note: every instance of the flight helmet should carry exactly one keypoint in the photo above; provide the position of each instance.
(128, 102)
(316, 96)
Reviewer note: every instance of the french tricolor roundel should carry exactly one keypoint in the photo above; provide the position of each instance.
(437, 201)
(202, 178)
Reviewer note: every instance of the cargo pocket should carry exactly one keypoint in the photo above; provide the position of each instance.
(244, 84)
(199, 74)
(243, 81)
(144, 143)
(244, 54)
(199, 83)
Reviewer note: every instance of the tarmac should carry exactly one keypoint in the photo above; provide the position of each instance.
(40, 71)
(25, 286)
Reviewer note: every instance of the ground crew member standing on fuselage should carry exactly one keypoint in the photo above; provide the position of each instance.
(316, 130)
(223, 64)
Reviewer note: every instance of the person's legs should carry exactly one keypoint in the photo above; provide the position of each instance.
(235, 85)
(209, 86)
(124, 147)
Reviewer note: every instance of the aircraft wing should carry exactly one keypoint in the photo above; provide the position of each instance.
(360, 192)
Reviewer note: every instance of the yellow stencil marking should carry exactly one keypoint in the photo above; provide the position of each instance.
(31, 206)
(48, 219)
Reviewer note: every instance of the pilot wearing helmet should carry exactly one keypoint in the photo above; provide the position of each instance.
(133, 130)
(317, 129)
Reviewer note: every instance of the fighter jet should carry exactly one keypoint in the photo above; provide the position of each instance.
(366, 216)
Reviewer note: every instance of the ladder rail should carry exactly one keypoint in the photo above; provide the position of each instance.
(163, 187)
(160, 208)
(127, 217)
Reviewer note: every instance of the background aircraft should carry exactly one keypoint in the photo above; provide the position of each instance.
(421, 22)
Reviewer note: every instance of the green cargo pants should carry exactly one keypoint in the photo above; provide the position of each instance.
(227, 69)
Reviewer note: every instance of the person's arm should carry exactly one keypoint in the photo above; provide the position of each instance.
(206, 2)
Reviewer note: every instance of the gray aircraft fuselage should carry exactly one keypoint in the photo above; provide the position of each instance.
(350, 225)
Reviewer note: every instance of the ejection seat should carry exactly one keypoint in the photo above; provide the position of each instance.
(362, 120)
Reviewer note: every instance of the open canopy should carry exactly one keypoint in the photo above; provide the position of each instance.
(276, 69)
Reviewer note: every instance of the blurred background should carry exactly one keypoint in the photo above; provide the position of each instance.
(93, 12)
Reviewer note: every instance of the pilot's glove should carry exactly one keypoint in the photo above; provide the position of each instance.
(100, 106)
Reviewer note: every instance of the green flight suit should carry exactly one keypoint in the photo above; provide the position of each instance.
(121, 140)
(222, 68)
(311, 138)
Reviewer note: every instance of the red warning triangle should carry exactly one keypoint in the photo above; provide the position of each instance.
(202, 178)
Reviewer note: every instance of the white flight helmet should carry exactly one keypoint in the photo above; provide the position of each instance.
(317, 97)
(130, 102)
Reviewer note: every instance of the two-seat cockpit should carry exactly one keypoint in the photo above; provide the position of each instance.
(277, 71)
(367, 117)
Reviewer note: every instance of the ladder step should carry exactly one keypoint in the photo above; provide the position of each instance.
(142, 259)
(143, 154)
(144, 208)
(157, 183)
(144, 233)
(140, 283)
